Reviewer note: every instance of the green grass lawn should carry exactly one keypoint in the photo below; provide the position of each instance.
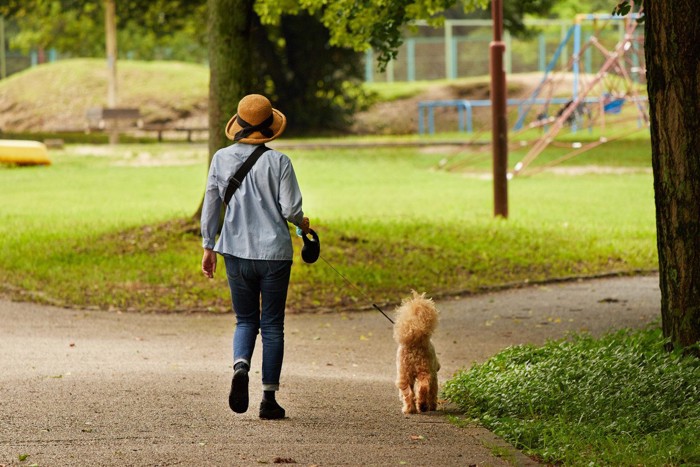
(106, 228)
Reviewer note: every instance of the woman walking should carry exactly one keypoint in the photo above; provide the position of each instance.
(255, 242)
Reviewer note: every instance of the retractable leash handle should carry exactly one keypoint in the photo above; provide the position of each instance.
(312, 246)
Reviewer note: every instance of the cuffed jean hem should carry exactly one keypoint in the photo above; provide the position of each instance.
(243, 360)
(271, 387)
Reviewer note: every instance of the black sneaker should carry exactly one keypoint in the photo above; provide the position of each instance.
(238, 397)
(271, 410)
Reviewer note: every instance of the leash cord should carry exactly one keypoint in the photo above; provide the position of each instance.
(356, 288)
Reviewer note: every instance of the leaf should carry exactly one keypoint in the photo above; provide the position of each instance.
(23, 457)
(622, 8)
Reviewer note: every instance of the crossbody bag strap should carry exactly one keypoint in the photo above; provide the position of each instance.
(235, 182)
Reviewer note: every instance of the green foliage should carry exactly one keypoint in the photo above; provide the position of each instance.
(618, 400)
(317, 85)
(187, 42)
(47, 24)
(162, 29)
(625, 7)
(567, 9)
(514, 14)
(380, 24)
(360, 25)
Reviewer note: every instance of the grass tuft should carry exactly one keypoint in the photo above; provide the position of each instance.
(618, 400)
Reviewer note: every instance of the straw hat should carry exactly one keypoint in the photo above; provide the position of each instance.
(255, 122)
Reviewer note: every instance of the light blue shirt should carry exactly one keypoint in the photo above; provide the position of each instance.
(255, 223)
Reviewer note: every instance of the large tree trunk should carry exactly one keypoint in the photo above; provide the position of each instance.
(672, 48)
(232, 70)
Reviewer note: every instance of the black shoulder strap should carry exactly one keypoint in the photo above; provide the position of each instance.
(235, 182)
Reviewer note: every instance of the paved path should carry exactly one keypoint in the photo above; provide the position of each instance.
(100, 388)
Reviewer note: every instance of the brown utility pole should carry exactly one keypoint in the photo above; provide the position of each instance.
(499, 118)
(111, 41)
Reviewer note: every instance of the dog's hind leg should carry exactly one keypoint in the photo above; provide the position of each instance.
(406, 396)
(432, 396)
(424, 391)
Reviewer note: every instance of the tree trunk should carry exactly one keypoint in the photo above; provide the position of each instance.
(672, 49)
(232, 71)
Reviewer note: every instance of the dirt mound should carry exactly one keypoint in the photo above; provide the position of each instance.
(57, 96)
(401, 116)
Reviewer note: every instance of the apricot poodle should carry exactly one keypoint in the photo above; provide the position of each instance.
(416, 362)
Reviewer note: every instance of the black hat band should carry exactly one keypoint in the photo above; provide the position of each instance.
(247, 129)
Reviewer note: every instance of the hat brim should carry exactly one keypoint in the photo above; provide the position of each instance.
(279, 123)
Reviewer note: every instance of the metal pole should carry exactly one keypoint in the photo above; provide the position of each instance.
(449, 64)
(390, 71)
(576, 65)
(411, 59)
(508, 52)
(111, 50)
(498, 114)
(542, 52)
(111, 43)
(369, 66)
(3, 61)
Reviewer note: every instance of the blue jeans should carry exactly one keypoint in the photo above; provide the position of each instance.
(252, 283)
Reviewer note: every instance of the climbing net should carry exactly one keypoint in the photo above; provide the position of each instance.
(616, 84)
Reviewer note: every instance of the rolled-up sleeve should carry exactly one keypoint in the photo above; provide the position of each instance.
(290, 194)
(211, 208)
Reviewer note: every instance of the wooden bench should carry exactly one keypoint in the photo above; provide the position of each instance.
(102, 118)
(162, 128)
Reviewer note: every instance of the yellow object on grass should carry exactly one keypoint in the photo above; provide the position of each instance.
(23, 152)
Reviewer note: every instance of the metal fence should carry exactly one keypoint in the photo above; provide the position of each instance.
(457, 49)
(460, 49)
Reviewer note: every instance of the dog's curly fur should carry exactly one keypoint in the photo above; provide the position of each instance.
(416, 362)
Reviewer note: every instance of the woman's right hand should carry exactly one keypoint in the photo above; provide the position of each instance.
(304, 226)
